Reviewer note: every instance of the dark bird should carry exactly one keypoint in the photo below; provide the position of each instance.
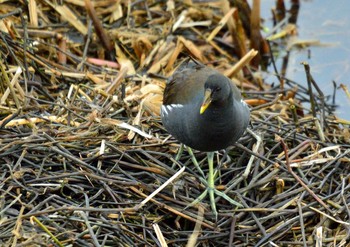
(204, 110)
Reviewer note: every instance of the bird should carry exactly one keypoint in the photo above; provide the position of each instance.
(204, 110)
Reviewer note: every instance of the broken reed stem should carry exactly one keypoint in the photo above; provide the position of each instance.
(311, 95)
(241, 63)
(160, 188)
(9, 85)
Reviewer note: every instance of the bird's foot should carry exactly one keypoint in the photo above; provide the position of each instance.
(212, 192)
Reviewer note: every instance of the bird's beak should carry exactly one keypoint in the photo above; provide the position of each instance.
(206, 101)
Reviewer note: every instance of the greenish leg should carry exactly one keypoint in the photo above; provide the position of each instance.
(198, 199)
(227, 198)
(195, 162)
(204, 194)
(178, 155)
(211, 183)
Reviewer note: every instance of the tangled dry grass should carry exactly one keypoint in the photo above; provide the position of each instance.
(83, 148)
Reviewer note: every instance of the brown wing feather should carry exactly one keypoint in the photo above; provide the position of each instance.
(186, 83)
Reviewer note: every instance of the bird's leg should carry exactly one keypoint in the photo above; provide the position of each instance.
(211, 187)
(211, 183)
(194, 161)
(222, 194)
(204, 194)
(227, 198)
(179, 153)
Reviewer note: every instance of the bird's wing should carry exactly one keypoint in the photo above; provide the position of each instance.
(186, 83)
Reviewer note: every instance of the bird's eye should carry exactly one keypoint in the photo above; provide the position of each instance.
(217, 89)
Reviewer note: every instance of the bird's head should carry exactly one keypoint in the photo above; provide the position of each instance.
(216, 89)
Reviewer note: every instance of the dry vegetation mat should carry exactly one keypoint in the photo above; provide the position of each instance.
(84, 158)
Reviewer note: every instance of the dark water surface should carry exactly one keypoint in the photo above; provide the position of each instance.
(328, 22)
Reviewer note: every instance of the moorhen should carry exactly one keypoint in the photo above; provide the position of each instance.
(204, 110)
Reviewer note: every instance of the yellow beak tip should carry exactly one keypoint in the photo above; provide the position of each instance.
(206, 100)
(203, 108)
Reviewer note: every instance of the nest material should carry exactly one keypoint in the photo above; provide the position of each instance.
(82, 146)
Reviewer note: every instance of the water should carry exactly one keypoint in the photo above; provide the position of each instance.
(328, 22)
